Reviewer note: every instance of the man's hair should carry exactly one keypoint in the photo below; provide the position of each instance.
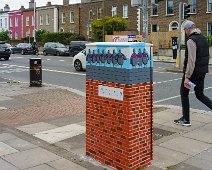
(189, 25)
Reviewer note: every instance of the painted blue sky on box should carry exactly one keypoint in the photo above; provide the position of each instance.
(119, 55)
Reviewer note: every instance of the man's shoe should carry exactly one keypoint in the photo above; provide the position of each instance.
(179, 121)
(186, 123)
(182, 122)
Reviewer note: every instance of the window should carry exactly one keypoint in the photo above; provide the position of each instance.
(27, 21)
(41, 19)
(209, 5)
(154, 10)
(193, 7)
(114, 11)
(1, 23)
(169, 7)
(99, 13)
(90, 15)
(63, 17)
(209, 29)
(5, 22)
(11, 22)
(47, 19)
(72, 30)
(173, 25)
(16, 21)
(16, 35)
(125, 11)
(33, 20)
(154, 28)
(71, 17)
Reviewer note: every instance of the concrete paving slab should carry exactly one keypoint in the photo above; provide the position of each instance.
(41, 167)
(6, 149)
(4, 98)
(6, 166)
(63, 164)
(19, 144)
(186, 145)
(201, 118)
(61, 133)
(3, 108)
(6, 136)
(30, 158)
(164, 158)
(206, 155)
(202, 134)
(184, 166)
(159, 121)
(36, 127)
(199, 163)
(168, 115)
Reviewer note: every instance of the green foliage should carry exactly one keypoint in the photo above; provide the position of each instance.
(62, 37)
(5, 36)
(107, 24)
(209, 38)
(39, 34)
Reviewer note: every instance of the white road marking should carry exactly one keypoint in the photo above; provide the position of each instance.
(174, 97)
(166, 81)
(61, 60)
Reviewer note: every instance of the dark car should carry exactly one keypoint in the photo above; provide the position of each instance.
(55, 49)
(4, 51)
(23, 48)
(76, 46)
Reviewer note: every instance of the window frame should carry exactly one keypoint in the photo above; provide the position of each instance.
(209, 4)
(63, 17)
(153, 7)
(71, 16)
(41, 19)
(16, 21)
(114, 11)
(193, 7)
(27, 20)
(11, 22)
(125, 11)
(167, 7)
(47, 19)
(209, 29)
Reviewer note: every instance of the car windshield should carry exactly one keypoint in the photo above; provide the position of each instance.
(60, 46)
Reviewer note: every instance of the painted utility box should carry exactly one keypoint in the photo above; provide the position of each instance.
(119, 104)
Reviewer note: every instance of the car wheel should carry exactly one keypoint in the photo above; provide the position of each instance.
(7, 58)
(44, 53)
(22, 52)
(57, 53)
(78, 65)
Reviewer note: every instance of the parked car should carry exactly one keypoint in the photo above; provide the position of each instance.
(4, 51)
(55, 49)
(79, 61)
(76, 46)
(23, 48)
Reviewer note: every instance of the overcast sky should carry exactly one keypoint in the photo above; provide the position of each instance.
(16, 4)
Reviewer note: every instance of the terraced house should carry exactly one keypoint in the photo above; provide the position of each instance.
(4, 18)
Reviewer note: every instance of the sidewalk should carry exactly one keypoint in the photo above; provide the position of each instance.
(44, 128)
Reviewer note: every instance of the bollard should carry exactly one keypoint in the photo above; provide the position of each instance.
(119, 104)
(35, 72)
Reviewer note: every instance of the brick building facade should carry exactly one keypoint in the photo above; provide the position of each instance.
(165, 16)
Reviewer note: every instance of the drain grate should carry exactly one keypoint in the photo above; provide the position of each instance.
(160, 133)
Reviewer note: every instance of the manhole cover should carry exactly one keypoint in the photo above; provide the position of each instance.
(160, 133)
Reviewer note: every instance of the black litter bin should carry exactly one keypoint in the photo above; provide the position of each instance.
(174, 47)
(35, 72)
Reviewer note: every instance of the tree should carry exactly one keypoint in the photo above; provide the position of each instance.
(107, 24)
(5, 36)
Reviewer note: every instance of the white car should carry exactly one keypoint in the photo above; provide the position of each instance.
(79, 61)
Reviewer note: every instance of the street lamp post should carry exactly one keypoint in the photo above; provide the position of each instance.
(34, 22)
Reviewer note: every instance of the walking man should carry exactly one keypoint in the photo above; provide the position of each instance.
(195, 68)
